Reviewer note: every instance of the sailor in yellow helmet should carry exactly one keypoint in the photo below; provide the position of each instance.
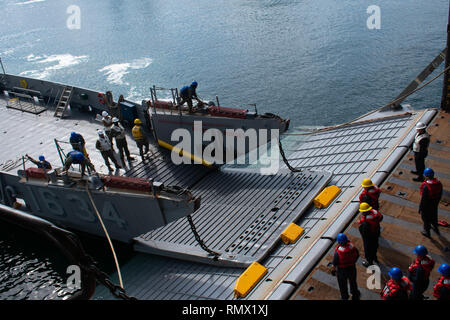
(369, 227)
(140, 138)
(370, 194)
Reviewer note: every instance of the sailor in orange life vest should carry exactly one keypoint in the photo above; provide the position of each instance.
(369, 227)
(344, 260)
(397, 287)
(419, 272)
(370, 194)
(441, 290)
(431, 194)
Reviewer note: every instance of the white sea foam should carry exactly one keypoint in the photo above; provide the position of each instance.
(115, 72)
(53, 62)
(28, 2)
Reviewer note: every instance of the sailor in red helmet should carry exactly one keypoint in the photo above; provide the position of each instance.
(370, 194)
(431, 194)
(419, 272)
(397, 287)
(369, 227)
(344, 260)
(441, 290)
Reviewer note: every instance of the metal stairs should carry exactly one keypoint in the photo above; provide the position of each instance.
(63, 102)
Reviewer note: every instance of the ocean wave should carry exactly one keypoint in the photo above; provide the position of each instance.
(115, 72)
(28, 2)
(58, 61)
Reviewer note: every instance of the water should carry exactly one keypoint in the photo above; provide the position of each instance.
(315, 62)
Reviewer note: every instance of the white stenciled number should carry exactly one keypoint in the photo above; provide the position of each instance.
(81, 208)
(52, 202)
(110, 213)
(74, 280)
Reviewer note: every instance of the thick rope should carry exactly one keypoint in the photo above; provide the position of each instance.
(107, 235)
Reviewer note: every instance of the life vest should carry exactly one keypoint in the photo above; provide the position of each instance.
(426, 262)
(394, 288)
(119, 130)
(107, 123)
(101, 98)
(104, 144)
(137, 132)
(418, 138)
(444, 282)
(434, 187)
(347, 255)
(370, 196)
(373, 218)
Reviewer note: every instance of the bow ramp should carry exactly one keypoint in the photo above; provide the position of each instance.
(241, 217)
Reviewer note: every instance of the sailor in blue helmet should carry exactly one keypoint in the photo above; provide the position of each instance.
(77, 141)
(41, 163)
(419, 272)
(344, 260)
(397, 287)
(441, 290)
(187, 93)
(76, 157)
(431, 194)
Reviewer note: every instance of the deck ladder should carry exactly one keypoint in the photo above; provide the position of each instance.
(63, 102)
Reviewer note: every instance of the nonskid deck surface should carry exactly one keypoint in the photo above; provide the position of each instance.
(400, 228)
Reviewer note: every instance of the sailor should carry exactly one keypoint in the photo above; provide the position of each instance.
(369, 227)
(370, 194)
(77, 142)
(344, 260)
(118, 132)
(397, 287)
(187, 93)
(140, 138)
(441, 290)
(431, 194)
(104, 145)
(419, 272)
(41, 163)
(107, 126)
(420, 148)
(77, 157)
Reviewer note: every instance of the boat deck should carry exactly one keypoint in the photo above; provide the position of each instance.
(401, 225)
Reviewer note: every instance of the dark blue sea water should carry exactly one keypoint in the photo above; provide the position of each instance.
(314, 61)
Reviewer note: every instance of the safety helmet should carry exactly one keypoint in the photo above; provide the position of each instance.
(115, 119)
(137, 121)
(104, 114)
(444, 269)
(364, 207)
(420, 250)
(194, 84)
(41, 158)
(366, 183)
(395, 273)
(73, 135)
(100, 132)
(420, 125)
(428, 172)
(76, 155)
(341, 238)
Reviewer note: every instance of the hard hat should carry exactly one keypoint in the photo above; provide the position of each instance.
(395, 273)
(73, 135)
(100, 132)
(428, 172)
(76, 155)
(137, 121)
(367, 183)
(41, 158)
(194, 84)
(104, 114)
(444, 269)
(420, 250)
(115, 119)
(420, 125)
(364, 207)
(341, 238)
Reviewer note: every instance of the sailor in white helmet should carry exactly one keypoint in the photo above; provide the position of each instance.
(118, 132)
(107, 124)
(103, 144)
(420, 148)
